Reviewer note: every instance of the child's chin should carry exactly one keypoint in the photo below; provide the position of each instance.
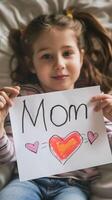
(62, 88)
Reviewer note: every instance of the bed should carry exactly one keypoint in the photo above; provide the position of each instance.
(18, 13)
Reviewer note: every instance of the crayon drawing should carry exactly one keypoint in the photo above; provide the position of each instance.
(60, 131)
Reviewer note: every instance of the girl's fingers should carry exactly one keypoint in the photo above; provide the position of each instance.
(14, 91)
(7, 94)
(102, 101)
(98, 107)
(101, 97)
(2, 101)
(103, 104)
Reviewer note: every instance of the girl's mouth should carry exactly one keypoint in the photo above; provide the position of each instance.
(60, 77)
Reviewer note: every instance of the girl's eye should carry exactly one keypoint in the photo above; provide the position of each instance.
(47, 56)
(68, 53)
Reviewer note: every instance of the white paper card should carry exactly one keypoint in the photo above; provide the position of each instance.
(58, 132)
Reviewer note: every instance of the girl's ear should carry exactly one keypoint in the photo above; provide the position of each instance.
(82, 56)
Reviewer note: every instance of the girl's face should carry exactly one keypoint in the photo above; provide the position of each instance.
(57, 59)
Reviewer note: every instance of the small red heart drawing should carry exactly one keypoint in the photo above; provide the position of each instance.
(32, 147)
(92, 136)
(63, 148)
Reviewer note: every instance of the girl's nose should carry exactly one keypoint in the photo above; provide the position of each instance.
(59, 63)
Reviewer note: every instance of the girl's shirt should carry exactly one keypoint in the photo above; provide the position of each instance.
(7, 150)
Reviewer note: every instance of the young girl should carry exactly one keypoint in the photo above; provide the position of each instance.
(54, 53)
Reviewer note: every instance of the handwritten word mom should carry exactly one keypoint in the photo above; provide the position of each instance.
(57, 108)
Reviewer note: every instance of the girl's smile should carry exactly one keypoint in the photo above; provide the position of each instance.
(61, 77)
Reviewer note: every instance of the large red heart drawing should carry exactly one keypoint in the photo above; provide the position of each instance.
(63, 148)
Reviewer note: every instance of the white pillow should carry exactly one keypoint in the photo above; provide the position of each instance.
(14, 13)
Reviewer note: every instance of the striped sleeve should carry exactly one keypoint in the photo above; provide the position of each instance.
(7, 150)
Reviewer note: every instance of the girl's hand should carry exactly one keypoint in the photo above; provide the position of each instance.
(7, 94)
(104, 102)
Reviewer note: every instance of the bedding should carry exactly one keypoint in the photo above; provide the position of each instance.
(14, 14)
